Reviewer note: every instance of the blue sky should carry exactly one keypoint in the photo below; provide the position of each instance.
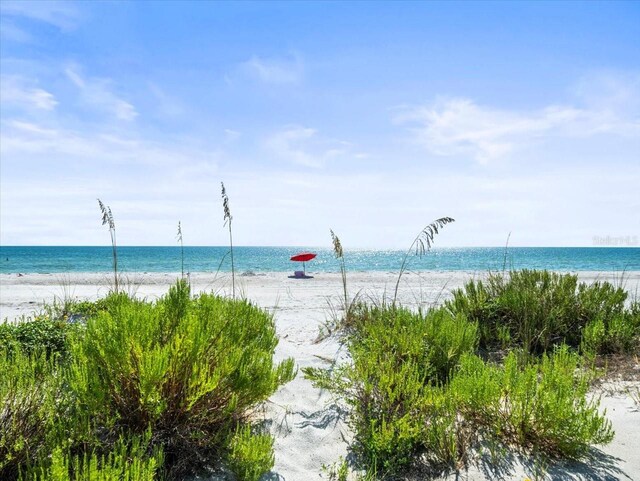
(369, 118)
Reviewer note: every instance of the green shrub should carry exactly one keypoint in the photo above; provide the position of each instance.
(128, 461)
(434, 340)
(251, 455)
(191, 370)
(542, 405)
(400, 358)
(41, 334)
(29, 391)
(418, 391)
(540, 310)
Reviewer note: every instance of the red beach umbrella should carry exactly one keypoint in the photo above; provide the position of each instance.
(303, 257)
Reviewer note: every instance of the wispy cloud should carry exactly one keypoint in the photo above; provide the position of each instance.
(284, 70)
(18, 91)
(97, 92)
(231, 135)
(33, 141)
(304, 146)
(456, 126)
(63, 15)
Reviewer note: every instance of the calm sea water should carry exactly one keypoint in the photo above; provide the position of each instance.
(276, 259)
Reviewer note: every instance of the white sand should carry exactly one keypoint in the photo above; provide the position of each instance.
(310, 428)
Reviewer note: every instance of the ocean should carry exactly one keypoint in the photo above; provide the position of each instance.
(42, 259)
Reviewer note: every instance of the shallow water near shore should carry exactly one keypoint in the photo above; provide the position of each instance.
(59, 259)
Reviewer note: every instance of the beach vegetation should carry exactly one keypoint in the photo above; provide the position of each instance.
(169, 387)
(499, 365)
(419, 392)
(540, 310)
(338, 252)
(420, 246)
(29, 391)
(41, 334)
(108, 220)
(180, 241)
(343, 315)
(129, 460)
(228, 218)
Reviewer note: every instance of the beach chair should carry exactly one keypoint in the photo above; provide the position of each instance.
(298, 273)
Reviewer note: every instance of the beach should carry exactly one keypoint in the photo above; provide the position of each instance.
(310, 427)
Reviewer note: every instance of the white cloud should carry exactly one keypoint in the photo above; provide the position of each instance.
(35, 142)
(275, 70)
(63, 15)
(15, 90)
(303, 146)
(290, 144)
(97, 92)
(459, 126)
(231, 135)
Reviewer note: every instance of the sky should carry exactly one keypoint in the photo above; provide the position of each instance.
(368, 118)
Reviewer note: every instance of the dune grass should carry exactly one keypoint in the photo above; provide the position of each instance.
(228, 219)
(109, 221)
(181, 242)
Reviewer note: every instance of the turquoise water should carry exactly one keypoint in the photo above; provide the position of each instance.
(276, 259)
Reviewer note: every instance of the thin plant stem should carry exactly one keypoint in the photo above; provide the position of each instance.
(422, 244)
(506, 251)
(108, 220)
(339, 253)
(179, 237)
(227, 221)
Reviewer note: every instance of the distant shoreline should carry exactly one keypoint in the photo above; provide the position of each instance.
(139, 260)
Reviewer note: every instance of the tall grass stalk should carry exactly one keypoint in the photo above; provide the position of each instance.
(107, 219)
(422, 244)
(339, 253)
(179, 238)
(506, 252)
(227, 221)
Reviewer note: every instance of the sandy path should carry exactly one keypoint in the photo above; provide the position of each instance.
(310, 429)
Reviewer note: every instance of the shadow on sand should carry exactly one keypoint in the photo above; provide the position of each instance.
(596, 466)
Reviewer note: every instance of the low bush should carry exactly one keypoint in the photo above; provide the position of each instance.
(29, 392)
(138, 390)
(250, 454)
(128, 461)
(541, 405)
(540, 310)
(435, 339)
(418, 391)
(399, 361)
(190, 370)
(41, 334)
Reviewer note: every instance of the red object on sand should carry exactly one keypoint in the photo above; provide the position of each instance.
(303, 257)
